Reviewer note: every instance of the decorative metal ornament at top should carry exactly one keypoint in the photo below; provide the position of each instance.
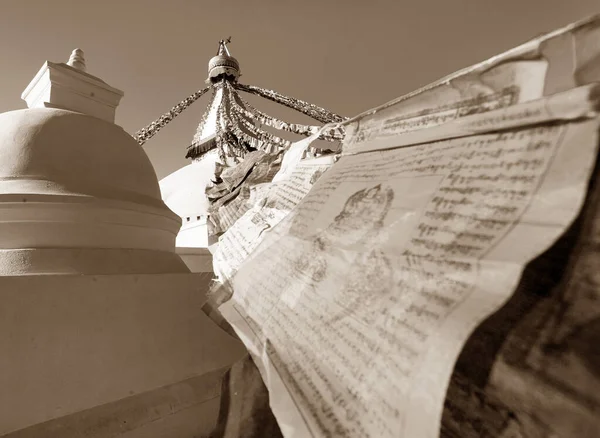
(238, 128)
(223, 65)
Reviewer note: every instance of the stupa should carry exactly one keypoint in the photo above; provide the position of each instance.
(230, 129)
(101, 328)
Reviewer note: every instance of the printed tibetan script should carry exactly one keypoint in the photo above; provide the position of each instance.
(359, 303)
(356, 305)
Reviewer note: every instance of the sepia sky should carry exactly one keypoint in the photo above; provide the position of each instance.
(346, 56)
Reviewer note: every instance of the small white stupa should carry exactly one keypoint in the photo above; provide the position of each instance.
(101, 328)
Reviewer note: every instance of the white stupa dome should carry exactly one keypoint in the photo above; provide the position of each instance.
(78, 193)
(54, 152)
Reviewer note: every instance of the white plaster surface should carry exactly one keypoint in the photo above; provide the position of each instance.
(196, 259)
(193, 235)
(70, 343)
(184, 190)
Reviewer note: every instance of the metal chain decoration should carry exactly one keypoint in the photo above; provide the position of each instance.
(145, 134)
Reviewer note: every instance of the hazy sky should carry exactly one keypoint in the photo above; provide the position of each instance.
(346, 56)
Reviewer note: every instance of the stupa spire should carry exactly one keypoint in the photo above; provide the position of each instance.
(76, 60)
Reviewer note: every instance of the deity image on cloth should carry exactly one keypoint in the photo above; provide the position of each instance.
(359, 221)
(354, 229)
